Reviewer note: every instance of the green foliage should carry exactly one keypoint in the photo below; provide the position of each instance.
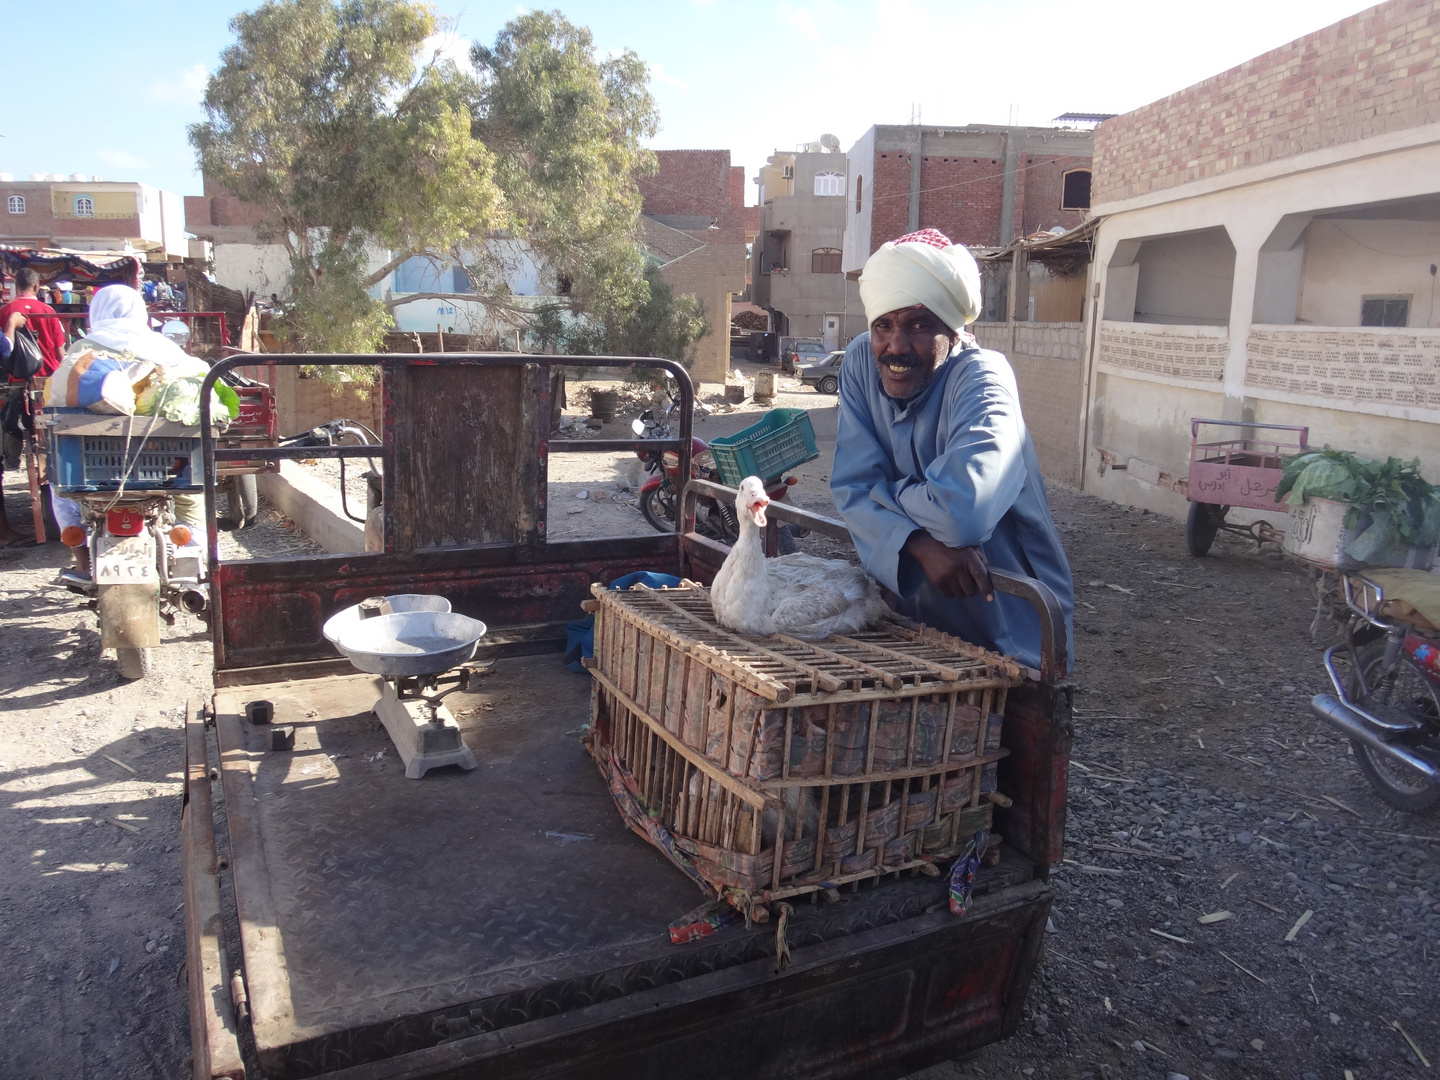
(328, 119)
(323, 120)
(566, 131)
(331, 311)
(1401, 505)
(662, 325)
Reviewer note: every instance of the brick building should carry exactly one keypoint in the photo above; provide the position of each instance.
(982, 186)
(85, 214)
(1267, 252)
(699, 194)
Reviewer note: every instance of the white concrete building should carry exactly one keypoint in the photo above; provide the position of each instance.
(1268, 253)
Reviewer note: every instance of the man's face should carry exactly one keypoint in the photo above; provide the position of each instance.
(909, 345)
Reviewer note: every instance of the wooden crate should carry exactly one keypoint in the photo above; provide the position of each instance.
(776, 766)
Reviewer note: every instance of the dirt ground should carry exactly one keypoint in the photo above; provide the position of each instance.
(1195, 754)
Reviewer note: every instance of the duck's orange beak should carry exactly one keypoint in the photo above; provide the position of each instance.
(757, 510)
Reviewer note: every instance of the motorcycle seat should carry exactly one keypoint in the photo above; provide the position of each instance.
(1410, 597)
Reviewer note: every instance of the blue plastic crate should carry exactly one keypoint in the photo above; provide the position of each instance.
(79, 462)
(784, 439)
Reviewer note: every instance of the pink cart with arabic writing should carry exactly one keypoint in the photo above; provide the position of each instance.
(1236, 464)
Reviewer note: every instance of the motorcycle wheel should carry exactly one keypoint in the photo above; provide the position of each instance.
(658, 506)
(133, 663)
(1409, 690)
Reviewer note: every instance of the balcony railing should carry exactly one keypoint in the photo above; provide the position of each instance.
(1194, 353)
(1382, 367)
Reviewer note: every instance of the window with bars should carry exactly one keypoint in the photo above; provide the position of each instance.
(84, 206)
(1385, 311)
(825, 261)
(17, 204)
(830, 183)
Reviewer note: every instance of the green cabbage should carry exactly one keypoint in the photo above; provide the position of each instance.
(1400, 505)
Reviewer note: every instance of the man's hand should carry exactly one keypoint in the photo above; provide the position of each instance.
(16, 319)
(954, 571)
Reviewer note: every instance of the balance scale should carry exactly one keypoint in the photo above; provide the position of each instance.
(411, 641)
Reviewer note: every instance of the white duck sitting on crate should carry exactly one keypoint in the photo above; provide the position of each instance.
(799, 595)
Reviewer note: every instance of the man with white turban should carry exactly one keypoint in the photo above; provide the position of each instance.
(934, 470)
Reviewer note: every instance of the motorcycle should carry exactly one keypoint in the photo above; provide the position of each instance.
(659, 494)
(1388, 703)
(145, 565)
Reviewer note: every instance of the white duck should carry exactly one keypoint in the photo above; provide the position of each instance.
(799, 595)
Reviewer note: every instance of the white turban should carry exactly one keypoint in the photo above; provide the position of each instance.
(923, 268)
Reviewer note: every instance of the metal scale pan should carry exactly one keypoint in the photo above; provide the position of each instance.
(405, 644)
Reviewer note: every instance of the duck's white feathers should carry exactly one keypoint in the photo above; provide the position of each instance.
(799, 595)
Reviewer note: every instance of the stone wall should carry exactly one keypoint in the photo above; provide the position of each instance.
(1370, 74)
(1048, 360)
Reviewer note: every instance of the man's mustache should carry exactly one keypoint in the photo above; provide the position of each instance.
(908, 360)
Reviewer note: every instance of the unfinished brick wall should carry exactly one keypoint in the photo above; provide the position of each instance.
(1047, 360)
(690, 182)
(1372, 73)
(1040, 191)
(961, 196)
(890, 178)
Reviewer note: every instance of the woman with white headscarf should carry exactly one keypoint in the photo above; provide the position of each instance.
(118, 353)
(120, 323)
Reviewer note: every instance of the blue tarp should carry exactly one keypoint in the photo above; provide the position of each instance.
(580, 635)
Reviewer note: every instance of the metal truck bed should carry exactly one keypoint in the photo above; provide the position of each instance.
(344, 921)
(394, 927)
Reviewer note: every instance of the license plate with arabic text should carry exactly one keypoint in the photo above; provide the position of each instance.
(126, 560)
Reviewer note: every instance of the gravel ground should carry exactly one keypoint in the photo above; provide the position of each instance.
(1202, 786)
(1195, 753)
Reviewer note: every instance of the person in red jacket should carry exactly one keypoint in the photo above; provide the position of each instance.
(51, 338)
(48, 332)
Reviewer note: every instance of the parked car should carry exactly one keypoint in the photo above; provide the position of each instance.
(823, 374)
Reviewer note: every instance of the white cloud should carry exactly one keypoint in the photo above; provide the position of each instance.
(809, 19)
(446, 44)
(664, 78)
(185, 89)
(123, 159)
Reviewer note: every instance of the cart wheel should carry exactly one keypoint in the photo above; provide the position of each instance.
(1201, 525)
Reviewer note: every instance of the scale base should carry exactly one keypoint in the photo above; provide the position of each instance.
(421, 742)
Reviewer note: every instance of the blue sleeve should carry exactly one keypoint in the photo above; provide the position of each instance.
(975, 481)
(863, 466)
(5, 346)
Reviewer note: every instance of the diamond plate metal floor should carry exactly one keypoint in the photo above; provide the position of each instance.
(381, 914)
(393, 896)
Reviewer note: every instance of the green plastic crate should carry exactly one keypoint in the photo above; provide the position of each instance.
(784, 439)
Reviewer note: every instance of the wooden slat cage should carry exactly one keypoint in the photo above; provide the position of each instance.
(779, 766)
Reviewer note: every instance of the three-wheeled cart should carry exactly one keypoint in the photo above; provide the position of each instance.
(1235, 463)
(345, 921)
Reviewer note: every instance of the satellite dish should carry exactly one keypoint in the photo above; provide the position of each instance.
(829, 142)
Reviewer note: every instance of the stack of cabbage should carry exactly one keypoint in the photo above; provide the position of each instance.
(1401, 506)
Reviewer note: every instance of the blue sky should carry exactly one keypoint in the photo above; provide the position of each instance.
(751, 77)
